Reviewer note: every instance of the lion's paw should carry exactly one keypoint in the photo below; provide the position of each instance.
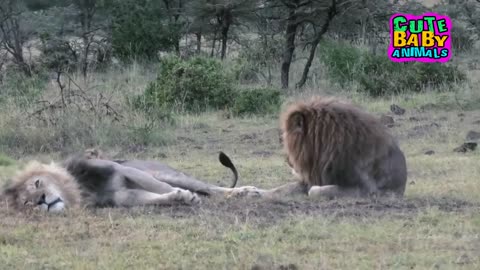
(187, 197)
(245, 191)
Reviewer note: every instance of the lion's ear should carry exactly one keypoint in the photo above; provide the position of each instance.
(297, 122)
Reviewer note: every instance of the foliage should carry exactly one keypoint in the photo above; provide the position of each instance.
(259, 58)
(257, 101)
(462, 38)
(193, 85)
(377, 75)
(139, 31)
(5, 160)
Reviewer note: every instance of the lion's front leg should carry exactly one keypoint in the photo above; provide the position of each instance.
(289, 189)
(332, 191)
(137, 197)
(245, 191)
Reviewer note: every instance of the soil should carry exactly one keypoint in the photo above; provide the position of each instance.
(263, 212)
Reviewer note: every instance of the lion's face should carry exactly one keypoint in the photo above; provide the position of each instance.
(39, 192)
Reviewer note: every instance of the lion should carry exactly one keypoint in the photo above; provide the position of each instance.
(86, 180)
(336, 149)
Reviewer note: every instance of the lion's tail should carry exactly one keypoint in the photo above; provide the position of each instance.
(227, 162)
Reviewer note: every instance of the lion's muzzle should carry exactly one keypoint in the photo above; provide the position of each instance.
(54, 205)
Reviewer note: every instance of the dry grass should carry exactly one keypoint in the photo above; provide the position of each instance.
(436, 226)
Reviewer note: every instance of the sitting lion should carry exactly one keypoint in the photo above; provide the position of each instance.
(87, 180)
(336, 149)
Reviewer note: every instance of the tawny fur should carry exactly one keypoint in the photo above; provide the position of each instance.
(58, 176)
(328, 140)
(86, 180)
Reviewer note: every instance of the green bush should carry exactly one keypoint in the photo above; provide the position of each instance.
(5, 160)
(193, 85)
(377, 75)
(257, 101)
(140, 30)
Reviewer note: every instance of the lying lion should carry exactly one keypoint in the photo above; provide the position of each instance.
(87, 180)
(337, 150)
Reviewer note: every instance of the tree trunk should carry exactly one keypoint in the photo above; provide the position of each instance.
(199, 42)
(332, 11)
(306, 69)
(289, 46)
(224, 42)
(213, 43)
(226, 22)
(177, 47)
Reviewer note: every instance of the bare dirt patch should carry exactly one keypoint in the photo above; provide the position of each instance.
(262, 212)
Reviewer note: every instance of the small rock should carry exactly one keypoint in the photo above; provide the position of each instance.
(473, 135)
(414, 119)
(463, 259)
(397, 109)
(461, 115)
(468, 146)
(476, 122)
(198, 147)
(387, 120)
(429, 152)
(412, 183)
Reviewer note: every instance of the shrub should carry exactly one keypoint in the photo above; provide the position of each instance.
(259, 101)
(377, 75)
(138, 29)
(5, 160)
(193, 85)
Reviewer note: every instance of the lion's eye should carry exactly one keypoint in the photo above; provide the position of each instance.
(37, 183)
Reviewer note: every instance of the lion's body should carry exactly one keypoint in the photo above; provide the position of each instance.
(336, 149)
(88, 181)
(331, 142)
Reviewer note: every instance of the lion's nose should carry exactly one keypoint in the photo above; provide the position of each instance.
(42, 199)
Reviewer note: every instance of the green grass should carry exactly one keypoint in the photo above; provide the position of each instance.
(431, 239)
(436, 226)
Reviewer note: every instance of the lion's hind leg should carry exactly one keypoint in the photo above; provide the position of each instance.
(138, 197)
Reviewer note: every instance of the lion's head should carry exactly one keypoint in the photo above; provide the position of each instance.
(43, 186)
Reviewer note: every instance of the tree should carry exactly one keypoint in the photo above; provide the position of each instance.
(223, 14)
(319, 31)
(306, 16)
(142, 28)
(13, 36)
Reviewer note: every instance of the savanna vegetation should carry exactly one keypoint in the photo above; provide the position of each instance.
(179, 80)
